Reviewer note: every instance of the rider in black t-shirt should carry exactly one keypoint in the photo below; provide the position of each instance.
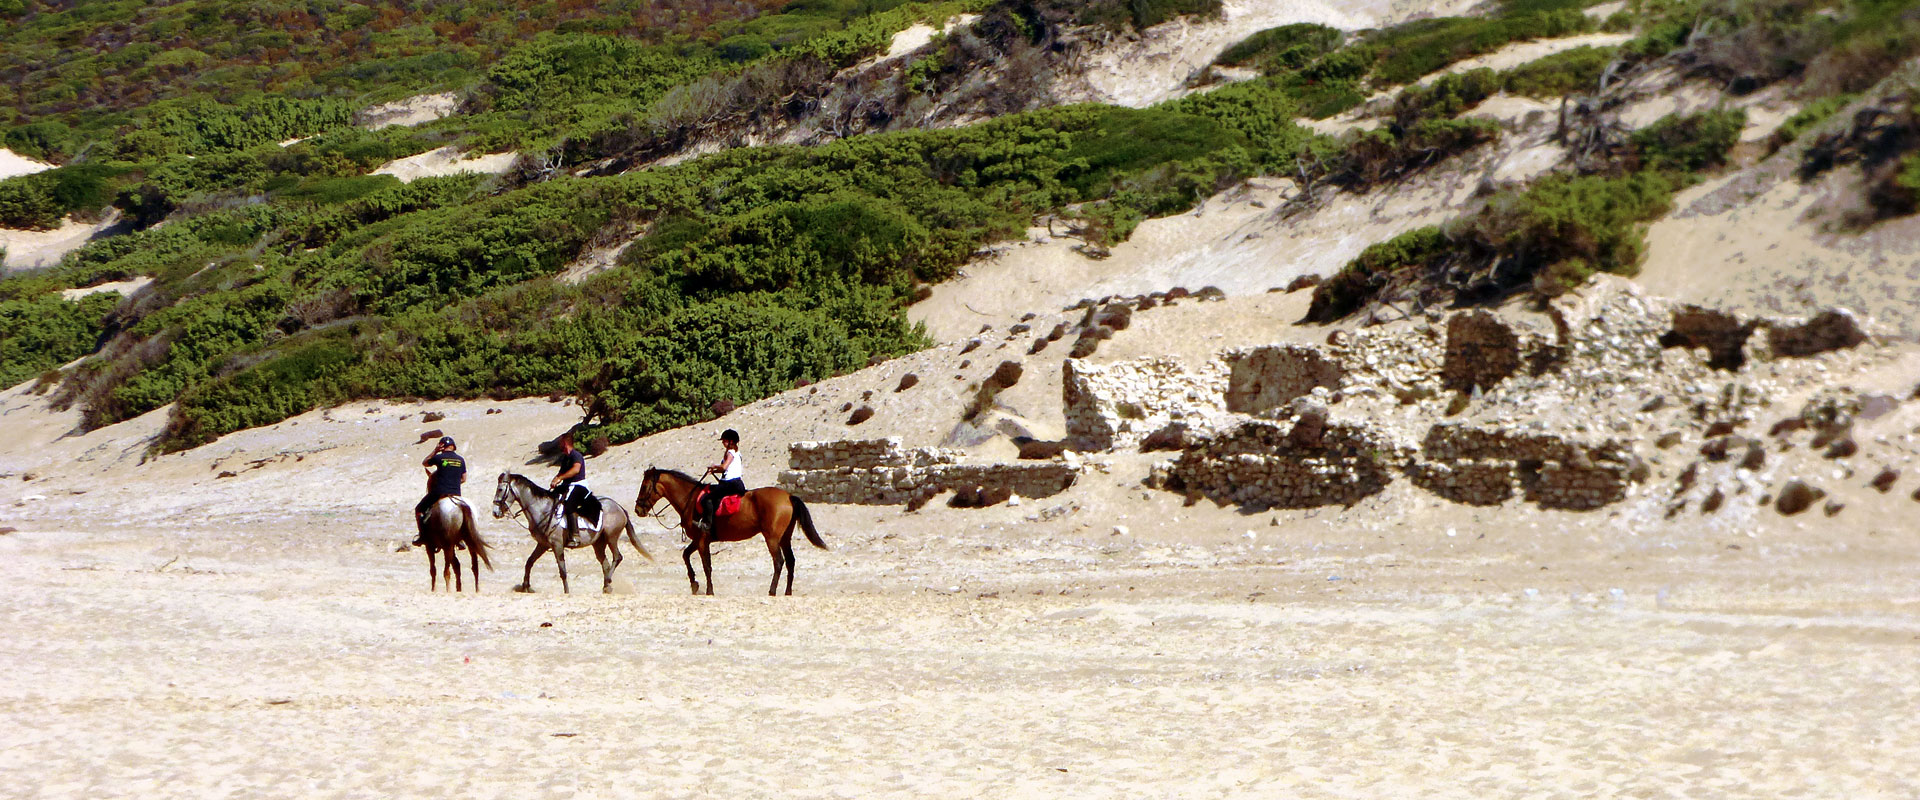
(446, 470)
(570, 482)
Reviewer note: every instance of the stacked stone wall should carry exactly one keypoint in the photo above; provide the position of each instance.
(1264, 464)
(1486, 466)
(1261, 378)
(881, 472)
(1117, 405)
(1834, 329)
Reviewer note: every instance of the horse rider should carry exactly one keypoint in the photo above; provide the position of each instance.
(446, 470)
(732, 478)
(570, 486)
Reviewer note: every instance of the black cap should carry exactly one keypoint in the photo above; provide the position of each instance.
(730, 435)
(446, 441)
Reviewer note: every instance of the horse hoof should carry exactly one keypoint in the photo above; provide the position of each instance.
(523, 589)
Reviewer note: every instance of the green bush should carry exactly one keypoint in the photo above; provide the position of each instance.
(1408, 52)
(1549, 237)
(1560, 74)
(44, 332)
(1690, 142)
(1286, 48)
(1809, 117)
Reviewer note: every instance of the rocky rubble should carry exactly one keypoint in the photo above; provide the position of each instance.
(882, 472)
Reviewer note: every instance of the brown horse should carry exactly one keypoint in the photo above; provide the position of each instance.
(449, 526)
(769, 512)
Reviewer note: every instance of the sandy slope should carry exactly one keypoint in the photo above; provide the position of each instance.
(13, 165)
(29, 249)
(1153, 66)
(445, 161)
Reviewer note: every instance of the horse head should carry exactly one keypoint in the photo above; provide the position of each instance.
(650, 493)
(500, 494)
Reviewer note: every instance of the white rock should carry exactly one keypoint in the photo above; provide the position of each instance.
(1120, 530)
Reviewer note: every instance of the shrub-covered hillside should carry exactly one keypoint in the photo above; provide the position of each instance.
(289, 277)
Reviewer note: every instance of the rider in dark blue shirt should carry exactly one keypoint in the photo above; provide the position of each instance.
(569, 484)
(446, 470)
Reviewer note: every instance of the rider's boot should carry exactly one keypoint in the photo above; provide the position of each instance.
(573, 531)
(419, 530)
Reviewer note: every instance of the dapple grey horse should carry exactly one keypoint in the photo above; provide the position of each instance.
(449, 525)
(548, 530)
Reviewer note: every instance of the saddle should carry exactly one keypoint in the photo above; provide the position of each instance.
(458, 500)
(729, 505)
(585, 510)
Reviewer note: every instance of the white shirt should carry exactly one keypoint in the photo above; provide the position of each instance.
(733, 468)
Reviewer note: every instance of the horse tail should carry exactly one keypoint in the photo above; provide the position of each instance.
(804, 519)
(475, 545)
(633, 539)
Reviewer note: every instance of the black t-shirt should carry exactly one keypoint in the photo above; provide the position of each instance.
(448, 470)
(571, 459)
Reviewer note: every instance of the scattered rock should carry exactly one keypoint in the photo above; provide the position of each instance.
(1018, 329)
(979, 497)
(432, 416)
(1688, 476)
(1786, 426)
(907, 381)
(1842, 448)
(1668, 439)
(1713, 501)
(1174, 436)
(226, 474)
(1721, 428)
(402, 547)
(1303, 282)
(1028, 317)
(1797, 497)
(1210, 293)
(1007, 374)
(495, 411)
(1875, 406)
(846, 407)
(866, 395)
(862, 414)
(1755, 458)
(972, 345)
(1885, 480)
(1657, 403)
(1832, 508)
(431, 435)
(1036, 450)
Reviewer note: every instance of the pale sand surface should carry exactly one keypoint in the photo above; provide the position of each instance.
(13, 164)
(1404, 647)
(1154, 66)
(31, 249)
(445, 161)
(931, 656)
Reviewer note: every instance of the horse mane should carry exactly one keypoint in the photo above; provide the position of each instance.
(538, 490)
(676, 473)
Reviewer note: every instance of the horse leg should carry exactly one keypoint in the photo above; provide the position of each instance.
(560, 559)
(606, 569)
(526, 580)
(687, 556)
(786, 548)
(433, 572)
(453, 563)
(706, 561)
(774, 550)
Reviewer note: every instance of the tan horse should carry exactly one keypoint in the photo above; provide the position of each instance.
(449, 526)
(769, 512)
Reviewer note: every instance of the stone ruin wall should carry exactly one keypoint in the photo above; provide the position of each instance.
(1116, 405)
(1268, 464)
(882, 472)
(1262, 378)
